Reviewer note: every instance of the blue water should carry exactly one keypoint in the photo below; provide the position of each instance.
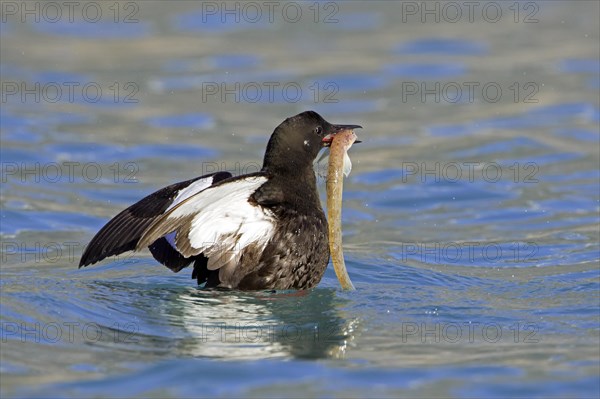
(471, 225)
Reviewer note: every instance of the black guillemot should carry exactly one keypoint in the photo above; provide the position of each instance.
(263, 230)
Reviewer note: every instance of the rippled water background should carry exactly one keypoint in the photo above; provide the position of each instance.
(471, 218)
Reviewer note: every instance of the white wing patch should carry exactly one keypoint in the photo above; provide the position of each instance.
(226, 222)
(194, 188)
(185, 193)
(218, 222)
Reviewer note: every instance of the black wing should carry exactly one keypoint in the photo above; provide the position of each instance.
(122, 233)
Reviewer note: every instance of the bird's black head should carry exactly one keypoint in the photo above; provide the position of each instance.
(296, 142)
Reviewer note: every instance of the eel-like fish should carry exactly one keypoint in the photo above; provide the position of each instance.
(339, 165)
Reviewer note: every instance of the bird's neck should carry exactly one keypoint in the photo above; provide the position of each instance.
(299, 184)
(300, 175)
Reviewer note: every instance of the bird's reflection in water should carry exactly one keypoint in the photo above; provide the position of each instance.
(164, 320)
(235, 325)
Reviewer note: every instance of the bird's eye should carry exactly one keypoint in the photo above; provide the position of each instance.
(318, 130)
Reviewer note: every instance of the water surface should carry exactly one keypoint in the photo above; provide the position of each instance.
(471, 217)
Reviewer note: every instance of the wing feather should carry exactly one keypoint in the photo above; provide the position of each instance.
(122, 233)
(218, 222)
